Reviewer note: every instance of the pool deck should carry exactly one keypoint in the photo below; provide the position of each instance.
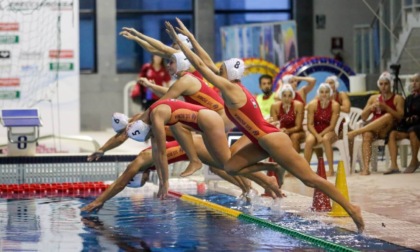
(390, 203)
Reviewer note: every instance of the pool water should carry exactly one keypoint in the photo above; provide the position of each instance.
(134, 221)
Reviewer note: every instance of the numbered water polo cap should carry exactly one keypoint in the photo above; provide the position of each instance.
(119, 122)
(138, 131)
(235, 68)
(182, 63)
(184, 39)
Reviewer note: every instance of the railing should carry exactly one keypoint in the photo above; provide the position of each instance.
(126, 97)
(374, 42)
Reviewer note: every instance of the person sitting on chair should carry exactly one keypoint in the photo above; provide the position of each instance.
(323, 114)
(409, 127)
(387, 109)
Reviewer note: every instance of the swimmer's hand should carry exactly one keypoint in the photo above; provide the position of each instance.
(131, 31)
(95, 156)
(94, 206)
(128, 35)
(171, 32)
(183, 29)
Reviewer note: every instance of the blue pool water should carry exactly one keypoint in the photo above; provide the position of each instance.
(139, 222)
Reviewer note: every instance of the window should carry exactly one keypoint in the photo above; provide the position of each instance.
(147, 17)
(236, 12)
(87, 38)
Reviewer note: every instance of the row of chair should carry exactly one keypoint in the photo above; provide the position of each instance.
(352, 121)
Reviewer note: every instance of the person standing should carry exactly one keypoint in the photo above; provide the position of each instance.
(266, 99)
(156, 73)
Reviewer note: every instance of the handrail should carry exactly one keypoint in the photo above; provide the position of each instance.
(127, 87)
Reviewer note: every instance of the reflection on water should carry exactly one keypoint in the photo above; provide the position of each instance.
(139, 222)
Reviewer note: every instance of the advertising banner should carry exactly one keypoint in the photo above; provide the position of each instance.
(39, 62)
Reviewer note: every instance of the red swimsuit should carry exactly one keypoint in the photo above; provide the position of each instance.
(249, 119)
(287, 120)
(322, 117)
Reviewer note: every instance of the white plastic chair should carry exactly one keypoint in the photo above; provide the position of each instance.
(340, 144)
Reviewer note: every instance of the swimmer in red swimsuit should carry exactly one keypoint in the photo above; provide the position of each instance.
(266, 141)
(144, 163)
(387, 109)
(323, 114)
(289, 114)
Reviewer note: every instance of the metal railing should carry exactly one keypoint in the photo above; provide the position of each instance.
(374, 42)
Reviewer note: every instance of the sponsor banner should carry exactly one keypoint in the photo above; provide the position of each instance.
(62, 54)
(9, 82)
(9, 39)
(4, 54)
(9, 95)
(61, 66)
(9, 26)
(32, 5)
(30, 55)
(29, 70)
(5, 68)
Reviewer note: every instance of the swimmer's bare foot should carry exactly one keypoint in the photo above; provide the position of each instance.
(274, 187)
(280, 175)
(356, 215)
(192, 167)
(365, 172)
(330, 173)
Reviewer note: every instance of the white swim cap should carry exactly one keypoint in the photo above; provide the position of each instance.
(135, 182)
(286, 79)
(324, 85)
(385, 76)
(235, 68)
(182, 63)
(119, 122)
(184, 39)
(334, 79)
(138, 131)
(286, 87)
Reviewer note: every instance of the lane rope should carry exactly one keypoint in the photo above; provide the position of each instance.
(261, 222)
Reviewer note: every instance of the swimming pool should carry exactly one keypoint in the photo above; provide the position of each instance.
(136, 220)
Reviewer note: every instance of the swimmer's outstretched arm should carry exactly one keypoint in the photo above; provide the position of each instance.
(140, 163)
(226, 87)
(142, 43)
(197, 47)
(164, 50)
(112, 143)
(156, 89)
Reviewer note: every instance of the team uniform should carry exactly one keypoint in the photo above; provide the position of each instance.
(287, 120)
(322, 117)
(174, 153)
(183, 112)
(249, 119)
(299, 98)
(205, 97)
(389, 103)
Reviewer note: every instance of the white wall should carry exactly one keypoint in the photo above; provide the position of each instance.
(341, 16)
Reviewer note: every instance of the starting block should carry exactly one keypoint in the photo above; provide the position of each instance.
(22, 130)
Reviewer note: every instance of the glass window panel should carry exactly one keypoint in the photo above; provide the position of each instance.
(160, 5)
(87, 43)
(87, 5)
(251, 4)
(87, 36)
(245, 18)
(131, 56)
